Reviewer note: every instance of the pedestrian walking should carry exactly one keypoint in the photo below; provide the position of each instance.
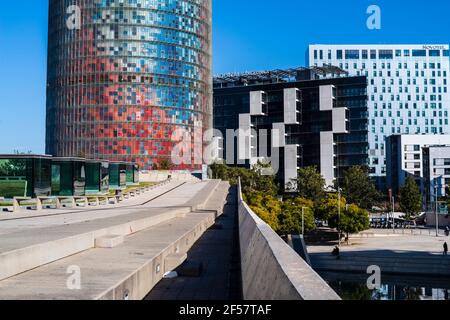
(445, 248)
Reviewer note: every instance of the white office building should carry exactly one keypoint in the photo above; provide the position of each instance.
(436, 166)
(407, 90)
(409, 155)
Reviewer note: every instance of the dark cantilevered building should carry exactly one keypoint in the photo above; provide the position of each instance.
(294, 119)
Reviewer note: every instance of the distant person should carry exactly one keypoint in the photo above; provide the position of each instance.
(447, 231)
(336, 252)
(445, 248)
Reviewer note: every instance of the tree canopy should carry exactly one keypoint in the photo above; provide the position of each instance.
(290, 218)
(410, 198)
(358, 187)
(251, 180)
(309, 184)
(285, 217)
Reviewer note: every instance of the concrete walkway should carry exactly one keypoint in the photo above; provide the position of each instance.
(35, 260)
(397, 254)
(218, 252)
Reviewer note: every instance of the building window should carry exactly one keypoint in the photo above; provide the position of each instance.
(339, 54)
(385, 54)
(364, 54)
(434, 53)
(351, 54)
(419, 53)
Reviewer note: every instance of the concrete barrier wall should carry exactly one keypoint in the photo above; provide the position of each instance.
(271, 270)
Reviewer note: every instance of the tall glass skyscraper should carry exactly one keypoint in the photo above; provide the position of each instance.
(127, 77)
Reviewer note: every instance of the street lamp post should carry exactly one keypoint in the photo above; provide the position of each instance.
(339, 217)
(436, 208)
(393, 214)
(303, 221)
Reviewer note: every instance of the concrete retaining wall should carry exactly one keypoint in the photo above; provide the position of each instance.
(444, 220)
(271, 270)
(397, 263)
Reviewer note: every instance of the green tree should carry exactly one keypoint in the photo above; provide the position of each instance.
(290, 218)
(309, 184)
(165, 165)
(410, 198)
(358, 188)
(353, 220)
(252, 180)
(267, 207)
(329, 207)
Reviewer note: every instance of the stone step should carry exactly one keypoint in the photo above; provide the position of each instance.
(28, 249)
(126, 271)
(20, 252)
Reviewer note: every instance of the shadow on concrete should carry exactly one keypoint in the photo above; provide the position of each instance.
(217, 254)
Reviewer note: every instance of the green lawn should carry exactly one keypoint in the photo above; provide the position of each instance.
(11, 188)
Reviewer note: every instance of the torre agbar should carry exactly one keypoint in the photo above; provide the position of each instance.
(128, 78)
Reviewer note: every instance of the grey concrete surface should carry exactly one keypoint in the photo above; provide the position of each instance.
(394, 254)
(127, 271)
(218, 252)
(28, 243)
(271, 270)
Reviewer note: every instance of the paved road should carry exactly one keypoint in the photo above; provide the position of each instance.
(390, 243)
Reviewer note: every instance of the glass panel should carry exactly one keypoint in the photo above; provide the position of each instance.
(104, 171)
(15, 178)
(114, 176)
(79, 178)
(123, 176)
(136, 173)
(92, 177)
(62, 178)
(130, 174)
(42, 177)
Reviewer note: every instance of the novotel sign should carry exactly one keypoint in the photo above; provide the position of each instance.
(434, 47)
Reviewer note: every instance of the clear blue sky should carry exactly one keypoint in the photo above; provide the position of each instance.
(248, 35)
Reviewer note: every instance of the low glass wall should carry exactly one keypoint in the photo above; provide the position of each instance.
(42, 175)
(25, 177)
(97, 177)
(117, 176)
(92, 178)
(68, 177)
(136, 174)
(32, 176)
(104, 177)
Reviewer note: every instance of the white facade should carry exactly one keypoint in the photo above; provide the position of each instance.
(408, 89)
(405, 158)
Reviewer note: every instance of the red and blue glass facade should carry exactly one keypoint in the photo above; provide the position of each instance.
(131, 74)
